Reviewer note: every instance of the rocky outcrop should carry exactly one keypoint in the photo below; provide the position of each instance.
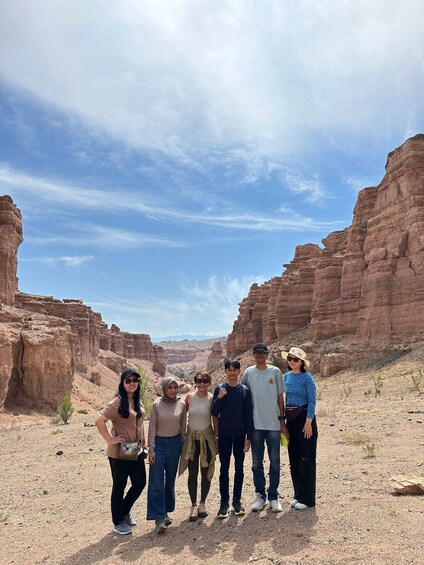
(36, 359)
(180, 355)
(216, 356)
(85, 324)
(279, 306)
(10, 239)
(365, 285)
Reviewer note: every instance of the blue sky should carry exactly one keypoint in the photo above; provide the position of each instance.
(166, 155)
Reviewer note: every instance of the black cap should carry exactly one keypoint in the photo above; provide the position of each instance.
(260, 347)
(128, 372)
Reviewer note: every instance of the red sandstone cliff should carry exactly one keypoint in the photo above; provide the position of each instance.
(43, 340)
(365, 284)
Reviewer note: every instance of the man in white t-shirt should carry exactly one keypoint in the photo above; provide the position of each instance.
(266, 383)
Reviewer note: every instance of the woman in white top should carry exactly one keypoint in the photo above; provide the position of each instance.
(199, 444)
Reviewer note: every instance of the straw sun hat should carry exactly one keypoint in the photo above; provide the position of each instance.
(296, 352)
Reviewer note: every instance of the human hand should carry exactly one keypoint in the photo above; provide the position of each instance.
(246, 445)
(307, 430)
(115, 440)
(222, 393)
(152, 459)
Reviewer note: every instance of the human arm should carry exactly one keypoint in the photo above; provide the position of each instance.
(218, 394)
(311, 392)
(215, 426)
(283, 426)
(104, 432)
(152, 433)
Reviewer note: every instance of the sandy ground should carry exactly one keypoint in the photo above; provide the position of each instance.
(54, 509)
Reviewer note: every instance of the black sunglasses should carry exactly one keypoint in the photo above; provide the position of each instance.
(200, 381)
(133, 380)
(293, 359)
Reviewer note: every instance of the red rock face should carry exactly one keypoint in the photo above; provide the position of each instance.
(216, 357)
(10, 239)
(365, 283)
(279, 306)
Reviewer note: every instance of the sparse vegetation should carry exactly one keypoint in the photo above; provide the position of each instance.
(82, 411)
(4, 516)
(55, 432)
(418, 381)
(55, 419)
(378, 384)
(347, 389)
(88, 437)
(353, 438)
(145, 395)
(66, 409)
(369, 449)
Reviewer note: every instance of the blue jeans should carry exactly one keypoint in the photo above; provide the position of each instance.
(272, 440)
(161, 490)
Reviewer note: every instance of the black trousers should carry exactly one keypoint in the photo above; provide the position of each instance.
(193, 471)
(226, 446)
(302, 456)
(122, 469)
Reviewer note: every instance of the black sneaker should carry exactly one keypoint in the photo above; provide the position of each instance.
(239, 509)
(223, 510)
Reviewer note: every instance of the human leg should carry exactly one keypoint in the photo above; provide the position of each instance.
(205, 482)
(156, 509)
(273, 446)
(238, 452)
(171, 468)
(138, 482)
(120, 472)
(193, 471)
(224, 449)
(307, 467)
(258, 449)
(294, 457)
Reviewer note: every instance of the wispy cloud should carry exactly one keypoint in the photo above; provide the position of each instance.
(119, 200)
(213, 305)
(67, 260)
(197, 80)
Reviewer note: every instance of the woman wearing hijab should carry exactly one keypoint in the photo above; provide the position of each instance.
(302, 426)
(126, 413)
(167, 428)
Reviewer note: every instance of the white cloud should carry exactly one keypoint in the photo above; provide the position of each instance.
(250, 82)
(55, 191)
(213, 304)
(68, 261)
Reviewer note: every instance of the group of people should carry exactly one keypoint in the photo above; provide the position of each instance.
(264, 407)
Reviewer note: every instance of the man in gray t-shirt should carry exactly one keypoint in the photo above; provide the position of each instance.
(266, 383)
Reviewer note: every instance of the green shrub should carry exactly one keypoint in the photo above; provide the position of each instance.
(82, 411)
(146, 397)
(66, 409)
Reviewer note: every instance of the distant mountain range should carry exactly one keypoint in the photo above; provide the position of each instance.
(187, 338)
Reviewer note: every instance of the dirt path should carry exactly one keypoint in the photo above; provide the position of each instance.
(54, 509)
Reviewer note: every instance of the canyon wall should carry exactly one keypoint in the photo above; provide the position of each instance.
(10, 240)
(43, 340)
(366, 283)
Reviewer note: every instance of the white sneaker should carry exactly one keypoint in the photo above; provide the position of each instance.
(259, 503)
(293, 502)
(276, 506)
(301, 506)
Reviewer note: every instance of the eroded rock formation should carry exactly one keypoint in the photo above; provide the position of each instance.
(10, 240)
(36, 359)
(216, 356)
(367, 282)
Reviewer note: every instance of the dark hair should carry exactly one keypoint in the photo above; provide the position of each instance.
(302, 366)
(203, 375)
(124, 407)
(235, 363)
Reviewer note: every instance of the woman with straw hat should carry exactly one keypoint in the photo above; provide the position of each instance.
(302, 426)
